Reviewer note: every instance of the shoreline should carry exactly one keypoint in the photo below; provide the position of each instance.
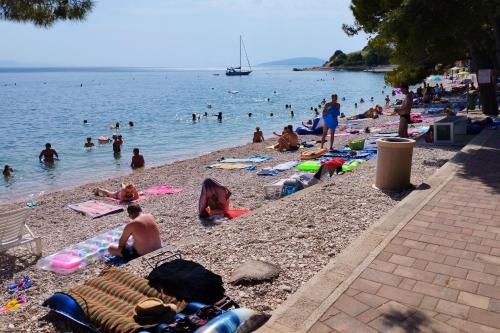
(17, 199)
(299, 233)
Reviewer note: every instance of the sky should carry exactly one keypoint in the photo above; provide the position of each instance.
(184, 33)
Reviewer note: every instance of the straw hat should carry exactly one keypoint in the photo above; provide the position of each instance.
(152, 311)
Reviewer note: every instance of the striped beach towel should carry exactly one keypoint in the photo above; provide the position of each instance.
(109, 300)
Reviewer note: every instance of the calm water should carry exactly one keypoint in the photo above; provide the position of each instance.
(49, 105)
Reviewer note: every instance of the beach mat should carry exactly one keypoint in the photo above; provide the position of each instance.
(285, 166)
(95, 209)
(251, 159)
(162, 190)
(109, 300)
(231, 166)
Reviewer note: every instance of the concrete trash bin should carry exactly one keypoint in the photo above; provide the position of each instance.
(394, 158)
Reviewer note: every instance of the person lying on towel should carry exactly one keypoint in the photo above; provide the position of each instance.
(144, 229)
(127, 193)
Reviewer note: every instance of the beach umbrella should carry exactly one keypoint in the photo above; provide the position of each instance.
(435, 78)
(463, 73)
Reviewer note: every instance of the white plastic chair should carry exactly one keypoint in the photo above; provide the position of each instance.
(15, 232)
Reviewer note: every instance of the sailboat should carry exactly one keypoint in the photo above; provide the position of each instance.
(236, 71)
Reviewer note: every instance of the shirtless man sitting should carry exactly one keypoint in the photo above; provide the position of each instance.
(48, 154)
(288, 140)
(144, 229)
(137, 160)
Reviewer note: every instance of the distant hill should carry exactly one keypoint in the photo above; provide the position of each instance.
(300, 61)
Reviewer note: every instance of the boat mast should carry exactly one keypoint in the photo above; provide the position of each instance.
(240, 52)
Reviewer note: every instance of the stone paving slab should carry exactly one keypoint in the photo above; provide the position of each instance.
(431, 265)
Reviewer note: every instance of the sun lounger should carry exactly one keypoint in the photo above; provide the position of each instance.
(106, 304)
(15, 232)
(95, 209)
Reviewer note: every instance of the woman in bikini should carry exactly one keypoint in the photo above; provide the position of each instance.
(127, 193)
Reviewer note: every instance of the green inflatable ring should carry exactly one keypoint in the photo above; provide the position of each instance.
(309, 166)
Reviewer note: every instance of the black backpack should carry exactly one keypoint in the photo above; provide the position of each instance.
(187, 280)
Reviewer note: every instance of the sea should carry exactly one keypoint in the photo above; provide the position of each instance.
(49, 105)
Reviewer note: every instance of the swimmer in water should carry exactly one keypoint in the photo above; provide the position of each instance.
(268, 99)
(272, 114)
(258, 136)
(361, 100)
(292, 114)
(89, 143)
(355, 105)
(131, 124)
(205, 114)
(219, 116)
(316, 112)
(286, 106)
(48, 154)
(85, 122)
(137, 160)
(250, 115)
(7, 171)
(343, 98)
(117, 145)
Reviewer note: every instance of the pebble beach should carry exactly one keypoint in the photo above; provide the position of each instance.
(299, 233)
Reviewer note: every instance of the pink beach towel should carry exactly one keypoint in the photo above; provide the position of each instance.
(95, 209)
(162, 190)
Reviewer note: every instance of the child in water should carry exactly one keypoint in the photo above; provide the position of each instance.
(7, 171)
(89, 143)
(258, 136)
(137, 160)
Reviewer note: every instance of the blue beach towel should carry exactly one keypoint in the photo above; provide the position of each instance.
(267, 172)
(251, 159)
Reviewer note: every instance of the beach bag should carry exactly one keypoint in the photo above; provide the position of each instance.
(291, 186)
(187, 280)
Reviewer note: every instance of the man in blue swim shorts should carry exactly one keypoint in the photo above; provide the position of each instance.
(331, 112)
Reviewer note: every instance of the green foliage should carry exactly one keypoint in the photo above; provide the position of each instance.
(369, 56)
(420, 34)
(44, 13)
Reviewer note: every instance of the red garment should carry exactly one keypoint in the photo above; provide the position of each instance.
(214, 196)
(333, 164)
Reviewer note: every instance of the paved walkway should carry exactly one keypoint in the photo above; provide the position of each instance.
(432, 264)
(441, 272)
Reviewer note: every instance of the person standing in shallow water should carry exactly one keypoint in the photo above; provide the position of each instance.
(117, 145)
(48, 154)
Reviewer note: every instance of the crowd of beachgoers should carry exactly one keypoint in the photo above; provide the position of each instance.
(299, 233)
